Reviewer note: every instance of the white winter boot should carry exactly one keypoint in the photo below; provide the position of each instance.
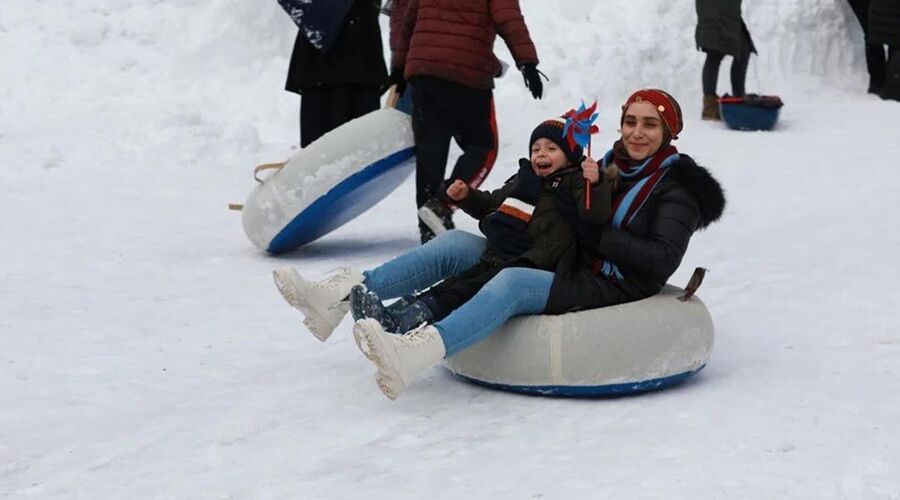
(399, 358)
(324, 303)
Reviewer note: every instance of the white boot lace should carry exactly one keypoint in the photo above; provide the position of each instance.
(337, 276)
(414, 339)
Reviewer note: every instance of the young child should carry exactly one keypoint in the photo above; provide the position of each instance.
(523, 221)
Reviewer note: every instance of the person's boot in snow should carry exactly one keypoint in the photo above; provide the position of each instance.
(367, 304)
(437, 216)
(398, 358)
(711, 108)
(425, 234)
(323, 303)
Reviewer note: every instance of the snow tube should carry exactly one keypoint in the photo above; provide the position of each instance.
(629, 348)
(330, 182)
(751, 112)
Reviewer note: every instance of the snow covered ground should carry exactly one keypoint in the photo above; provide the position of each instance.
(145, 354)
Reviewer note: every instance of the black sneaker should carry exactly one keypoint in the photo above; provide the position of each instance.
(425, 234)
(436, 216)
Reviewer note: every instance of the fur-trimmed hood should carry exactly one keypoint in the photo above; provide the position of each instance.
(697, 181)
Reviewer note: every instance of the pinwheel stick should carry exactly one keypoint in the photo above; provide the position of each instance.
(578, 130)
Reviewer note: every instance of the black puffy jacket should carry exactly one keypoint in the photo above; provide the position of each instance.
(648, 250)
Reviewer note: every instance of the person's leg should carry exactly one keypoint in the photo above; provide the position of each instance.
(469, 113)
(710, 78)
(514, 291)
(315, 113)
(711, 72)
(739, 67)
(324, 303)
(474, 126)
(432, 137)
(875, 61)
(891, 89)
(401, 358)
(447, 255)
(450, 294)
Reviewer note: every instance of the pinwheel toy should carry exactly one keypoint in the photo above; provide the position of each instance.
(578, 129)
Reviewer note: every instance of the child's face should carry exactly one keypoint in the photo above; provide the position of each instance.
(547, 157)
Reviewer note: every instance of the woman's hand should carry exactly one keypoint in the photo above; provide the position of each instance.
(458, 190)
(590, 170)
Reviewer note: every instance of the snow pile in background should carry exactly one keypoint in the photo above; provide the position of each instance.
(213, 71)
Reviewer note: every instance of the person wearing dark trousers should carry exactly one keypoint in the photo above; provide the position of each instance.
(444, 49)
(343, 82)
(875, 62)
(884, 29)
(443, 109)
(721, 31)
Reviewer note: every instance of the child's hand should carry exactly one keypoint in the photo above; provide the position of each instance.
(458, 190)
(590, 170)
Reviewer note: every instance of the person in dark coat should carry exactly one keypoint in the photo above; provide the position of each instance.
(875, 60)
(523, 222)
(343, 82)
(662, 199)
(721, 31)
(444, 48)
(884, 29)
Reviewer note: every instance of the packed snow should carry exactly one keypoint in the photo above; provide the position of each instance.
(147, 355)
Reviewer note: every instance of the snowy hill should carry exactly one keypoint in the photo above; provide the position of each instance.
(146, 354)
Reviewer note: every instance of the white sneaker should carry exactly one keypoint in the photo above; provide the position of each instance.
(399, 358)
(323, 303)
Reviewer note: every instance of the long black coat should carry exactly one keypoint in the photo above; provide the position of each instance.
(648, 250)
(884, 22)
(355, 58)
(720, 27)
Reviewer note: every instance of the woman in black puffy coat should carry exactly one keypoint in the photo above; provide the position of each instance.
(663, 197)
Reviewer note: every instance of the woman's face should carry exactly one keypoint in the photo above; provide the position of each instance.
(642, 130)
(547, 157)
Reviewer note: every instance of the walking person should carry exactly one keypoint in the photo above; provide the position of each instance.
(341, 82)
(444, 49)
(721, 32)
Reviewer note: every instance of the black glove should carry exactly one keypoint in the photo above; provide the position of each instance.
(397, 80)
(533, 79)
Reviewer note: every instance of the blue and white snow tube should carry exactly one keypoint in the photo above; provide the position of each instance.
(629, 348)
(333, 180)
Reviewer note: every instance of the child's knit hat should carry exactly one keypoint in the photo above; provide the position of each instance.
(552, 129)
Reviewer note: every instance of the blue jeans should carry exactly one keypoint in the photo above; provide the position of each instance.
(448, 254)
(512, 292)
